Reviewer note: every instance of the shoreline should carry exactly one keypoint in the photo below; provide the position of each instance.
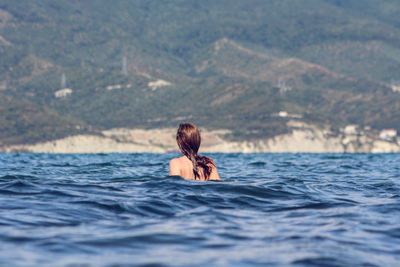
(303, 138)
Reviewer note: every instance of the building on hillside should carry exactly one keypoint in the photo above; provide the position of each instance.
(113, 87)
(159, 83)
(62, 93)
(387, 134)
(283, 114)
(350, 129)
(395, 85)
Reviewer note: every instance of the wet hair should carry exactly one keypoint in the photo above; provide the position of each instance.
(189, 139)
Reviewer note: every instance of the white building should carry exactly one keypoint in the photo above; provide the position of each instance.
(113, 87)
(350, 129)
(63, 93)
(387, 134)
(283, 114)
(159, 83)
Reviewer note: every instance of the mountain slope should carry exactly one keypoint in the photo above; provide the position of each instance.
(24, 122)
(223, 64)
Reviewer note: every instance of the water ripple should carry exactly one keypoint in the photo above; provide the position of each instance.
(269, 209)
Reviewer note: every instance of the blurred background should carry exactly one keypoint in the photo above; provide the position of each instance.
(250, 67)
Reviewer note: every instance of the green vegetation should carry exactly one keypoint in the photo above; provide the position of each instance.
(231, 64)
(22, 121)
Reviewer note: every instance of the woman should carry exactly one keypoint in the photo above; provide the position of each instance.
(192, 166)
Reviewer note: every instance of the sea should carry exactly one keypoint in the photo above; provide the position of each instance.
(268, 210)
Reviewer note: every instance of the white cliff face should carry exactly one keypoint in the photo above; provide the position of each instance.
(85, 144)
(304, 141)
(303, 138)
(384, 147)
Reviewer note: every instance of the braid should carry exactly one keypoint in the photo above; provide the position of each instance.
(192, 158)
(199, 161)
(188, 139)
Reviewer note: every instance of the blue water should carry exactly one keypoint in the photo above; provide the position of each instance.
(269, 209)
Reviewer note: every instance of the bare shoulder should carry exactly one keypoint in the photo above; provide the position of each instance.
(174, 161)
(175, 166)
(214, 175)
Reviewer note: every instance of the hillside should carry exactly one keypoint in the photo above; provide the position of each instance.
(222, 64)
(21, 121)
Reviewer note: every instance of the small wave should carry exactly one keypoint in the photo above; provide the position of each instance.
(112, 207)
(250, 202)
(284, 164)
(153, 208)
(20, 177)
(20, 187)
(59, 193)
(101, 164)
(312, 206)
(254, 191)
(63, 165)
(322, 261)
(149, 164)
(137, 241)
(94, 187)
(257, 164)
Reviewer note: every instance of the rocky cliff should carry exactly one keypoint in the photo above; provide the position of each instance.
(302, 138)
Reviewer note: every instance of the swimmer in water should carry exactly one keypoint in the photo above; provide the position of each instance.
(191, 166)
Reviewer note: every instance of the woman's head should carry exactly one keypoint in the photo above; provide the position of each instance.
(188, 139)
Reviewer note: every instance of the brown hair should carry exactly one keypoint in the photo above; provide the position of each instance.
(189, 139)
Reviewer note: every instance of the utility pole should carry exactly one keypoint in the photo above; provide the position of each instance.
(63, 81)
(124, 66)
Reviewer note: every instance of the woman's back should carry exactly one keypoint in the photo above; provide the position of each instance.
(184, 167)
(191, 165)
